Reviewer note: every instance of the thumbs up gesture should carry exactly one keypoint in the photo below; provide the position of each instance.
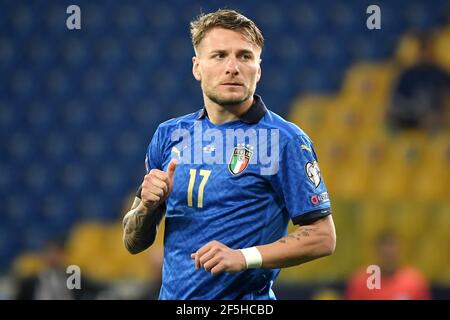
(157, 186)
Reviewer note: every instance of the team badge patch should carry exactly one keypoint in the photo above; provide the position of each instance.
(313, 172)
(239, 159)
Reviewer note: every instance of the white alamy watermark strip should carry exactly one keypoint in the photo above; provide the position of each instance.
(214, 146)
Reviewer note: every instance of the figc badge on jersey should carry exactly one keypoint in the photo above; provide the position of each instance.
(240, 158)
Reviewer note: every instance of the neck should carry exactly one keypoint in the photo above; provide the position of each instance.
(219, 114)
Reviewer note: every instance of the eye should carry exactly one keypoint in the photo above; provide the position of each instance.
(247, 57)
(219, 56)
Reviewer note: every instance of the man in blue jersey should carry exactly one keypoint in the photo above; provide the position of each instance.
(229, 178)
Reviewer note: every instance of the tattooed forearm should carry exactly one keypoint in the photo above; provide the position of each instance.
(305, 231)
(140, 229)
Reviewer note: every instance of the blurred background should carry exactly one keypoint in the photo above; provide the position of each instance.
(79, 107)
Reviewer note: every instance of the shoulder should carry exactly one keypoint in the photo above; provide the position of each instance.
(410, 272)
(176, 122)
(184, 121)
(288, 131)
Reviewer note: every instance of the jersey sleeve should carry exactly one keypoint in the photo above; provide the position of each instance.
(299, 182)
(152, 157)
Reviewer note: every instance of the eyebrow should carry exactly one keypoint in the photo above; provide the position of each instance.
(240, 52)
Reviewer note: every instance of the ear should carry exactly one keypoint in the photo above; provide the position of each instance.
(259, 72)
(195, 68)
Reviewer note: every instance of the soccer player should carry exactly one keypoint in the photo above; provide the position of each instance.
(228, 179)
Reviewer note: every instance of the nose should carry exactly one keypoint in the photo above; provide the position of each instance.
(232, 66)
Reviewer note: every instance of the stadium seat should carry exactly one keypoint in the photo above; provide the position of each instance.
(442, 48)
(10, 245)
(370, 82)
(407, 50)
(308, 112)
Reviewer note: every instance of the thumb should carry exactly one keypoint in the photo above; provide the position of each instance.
(171, 168)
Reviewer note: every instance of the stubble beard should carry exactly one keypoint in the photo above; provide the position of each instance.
(227, 102)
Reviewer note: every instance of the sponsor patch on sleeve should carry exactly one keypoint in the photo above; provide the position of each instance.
(320, 198)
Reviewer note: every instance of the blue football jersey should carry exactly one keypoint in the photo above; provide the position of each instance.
(238, 183)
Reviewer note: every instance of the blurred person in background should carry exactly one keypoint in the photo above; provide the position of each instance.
(50, 283)
(420, 98)
(151, 289)
(229, 240)
(397, 282)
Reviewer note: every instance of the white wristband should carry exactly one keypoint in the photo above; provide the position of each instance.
(253, 258)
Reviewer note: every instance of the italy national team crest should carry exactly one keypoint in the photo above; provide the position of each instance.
(240, 158)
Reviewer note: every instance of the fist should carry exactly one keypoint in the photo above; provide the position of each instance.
(215, 257)
(157, 186)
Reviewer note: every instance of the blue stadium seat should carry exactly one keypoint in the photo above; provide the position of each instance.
(419, 15)
(343, 17)
(145, 50)
(35, 236)
(57, 148)
(10, 245)
(93, 147)
(10, 118)
(306, 16)
(75, 179)
(39, 178)
(75, 53)
(92, 207)
(127, 19)
(21, 208)
(162, 18)
(23, 83)
(75, 116)
(58, 211)
(53, 21)
(21, 148)
(8, 181)
(22, 20)
(40, 116)
(94, 18)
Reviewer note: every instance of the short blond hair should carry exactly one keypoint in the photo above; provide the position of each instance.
(227, 19)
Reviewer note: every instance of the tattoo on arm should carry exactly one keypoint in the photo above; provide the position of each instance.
(140, 228)
(301, 232)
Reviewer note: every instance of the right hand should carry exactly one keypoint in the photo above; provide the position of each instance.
(157, 186)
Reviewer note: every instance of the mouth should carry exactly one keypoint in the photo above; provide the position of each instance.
(232, 84)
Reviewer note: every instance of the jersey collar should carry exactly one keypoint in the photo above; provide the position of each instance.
(253, 115)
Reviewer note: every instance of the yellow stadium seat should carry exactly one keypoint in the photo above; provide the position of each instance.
(125, 265)
(442, 47)
(407, 50)
(441, 225)
(389, 182)
(347, 254)
(430, 182)
(373, 217)
(308, 113)
(440, 221)
(394, 179)
(428, 257)
(370, 83)
(346, 118)
(333, 154)
(86, 247)
(409, 218)
(27, 264)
